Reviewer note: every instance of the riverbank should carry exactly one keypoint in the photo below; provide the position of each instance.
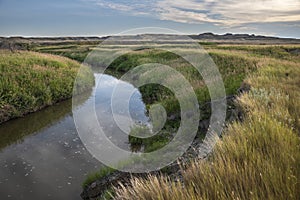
(100, 184)
(252, 159)
(233, 69)
(256, 159)
(31, 81)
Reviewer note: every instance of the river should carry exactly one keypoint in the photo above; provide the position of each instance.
(41, 154)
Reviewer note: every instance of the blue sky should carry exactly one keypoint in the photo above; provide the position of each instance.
(107, 17)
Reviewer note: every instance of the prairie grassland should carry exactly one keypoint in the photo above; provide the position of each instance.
(30, 81)
(283, 52)
(233, 69)
(258, 158)
(76, 52)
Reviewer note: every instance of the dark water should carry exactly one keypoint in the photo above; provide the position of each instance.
(41, 155)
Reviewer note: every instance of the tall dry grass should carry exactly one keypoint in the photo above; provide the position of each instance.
(258, 158)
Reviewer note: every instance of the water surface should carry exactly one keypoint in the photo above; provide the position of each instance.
(41, 155)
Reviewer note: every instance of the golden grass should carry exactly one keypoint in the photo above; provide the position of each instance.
(258, 158)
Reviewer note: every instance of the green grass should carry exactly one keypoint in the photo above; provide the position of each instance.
(258, 158)
(75, 51)
(283, 52)
(30, 81)
(108, 195)
(151, 143)
(208, 43)
(233, 69)
(97, 175)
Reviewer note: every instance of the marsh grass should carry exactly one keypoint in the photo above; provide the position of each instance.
(75, 51)
(232, 68)
(30, 81)
(282, 52)
(258, 158)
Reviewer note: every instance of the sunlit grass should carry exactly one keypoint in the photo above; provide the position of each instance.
(258, 158)
(30, 81)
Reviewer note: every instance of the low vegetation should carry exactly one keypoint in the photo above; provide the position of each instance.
(76, 51)
(30, 81)
(233, 69)
(97, 175)
(258, 158)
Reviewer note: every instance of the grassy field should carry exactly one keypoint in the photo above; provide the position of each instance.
(233, 69)
(73, 51)
(258, 158)
(30, 81)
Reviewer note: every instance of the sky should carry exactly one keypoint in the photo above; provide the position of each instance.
(110, 17)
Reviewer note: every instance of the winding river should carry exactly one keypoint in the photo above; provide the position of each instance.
(41, 154)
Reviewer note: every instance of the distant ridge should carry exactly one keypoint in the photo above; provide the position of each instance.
(228, 38)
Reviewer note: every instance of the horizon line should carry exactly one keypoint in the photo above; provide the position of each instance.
(102, 36)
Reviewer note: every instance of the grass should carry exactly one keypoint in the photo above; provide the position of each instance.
(233, 69)
(283, 52)
(151, 143)
(30, 81)
(75, 51)
(258, 158)
(97, 175)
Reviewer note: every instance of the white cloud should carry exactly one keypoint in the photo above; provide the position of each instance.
(230, 12)
(225, 13)
(133, 7)
(114, 6)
